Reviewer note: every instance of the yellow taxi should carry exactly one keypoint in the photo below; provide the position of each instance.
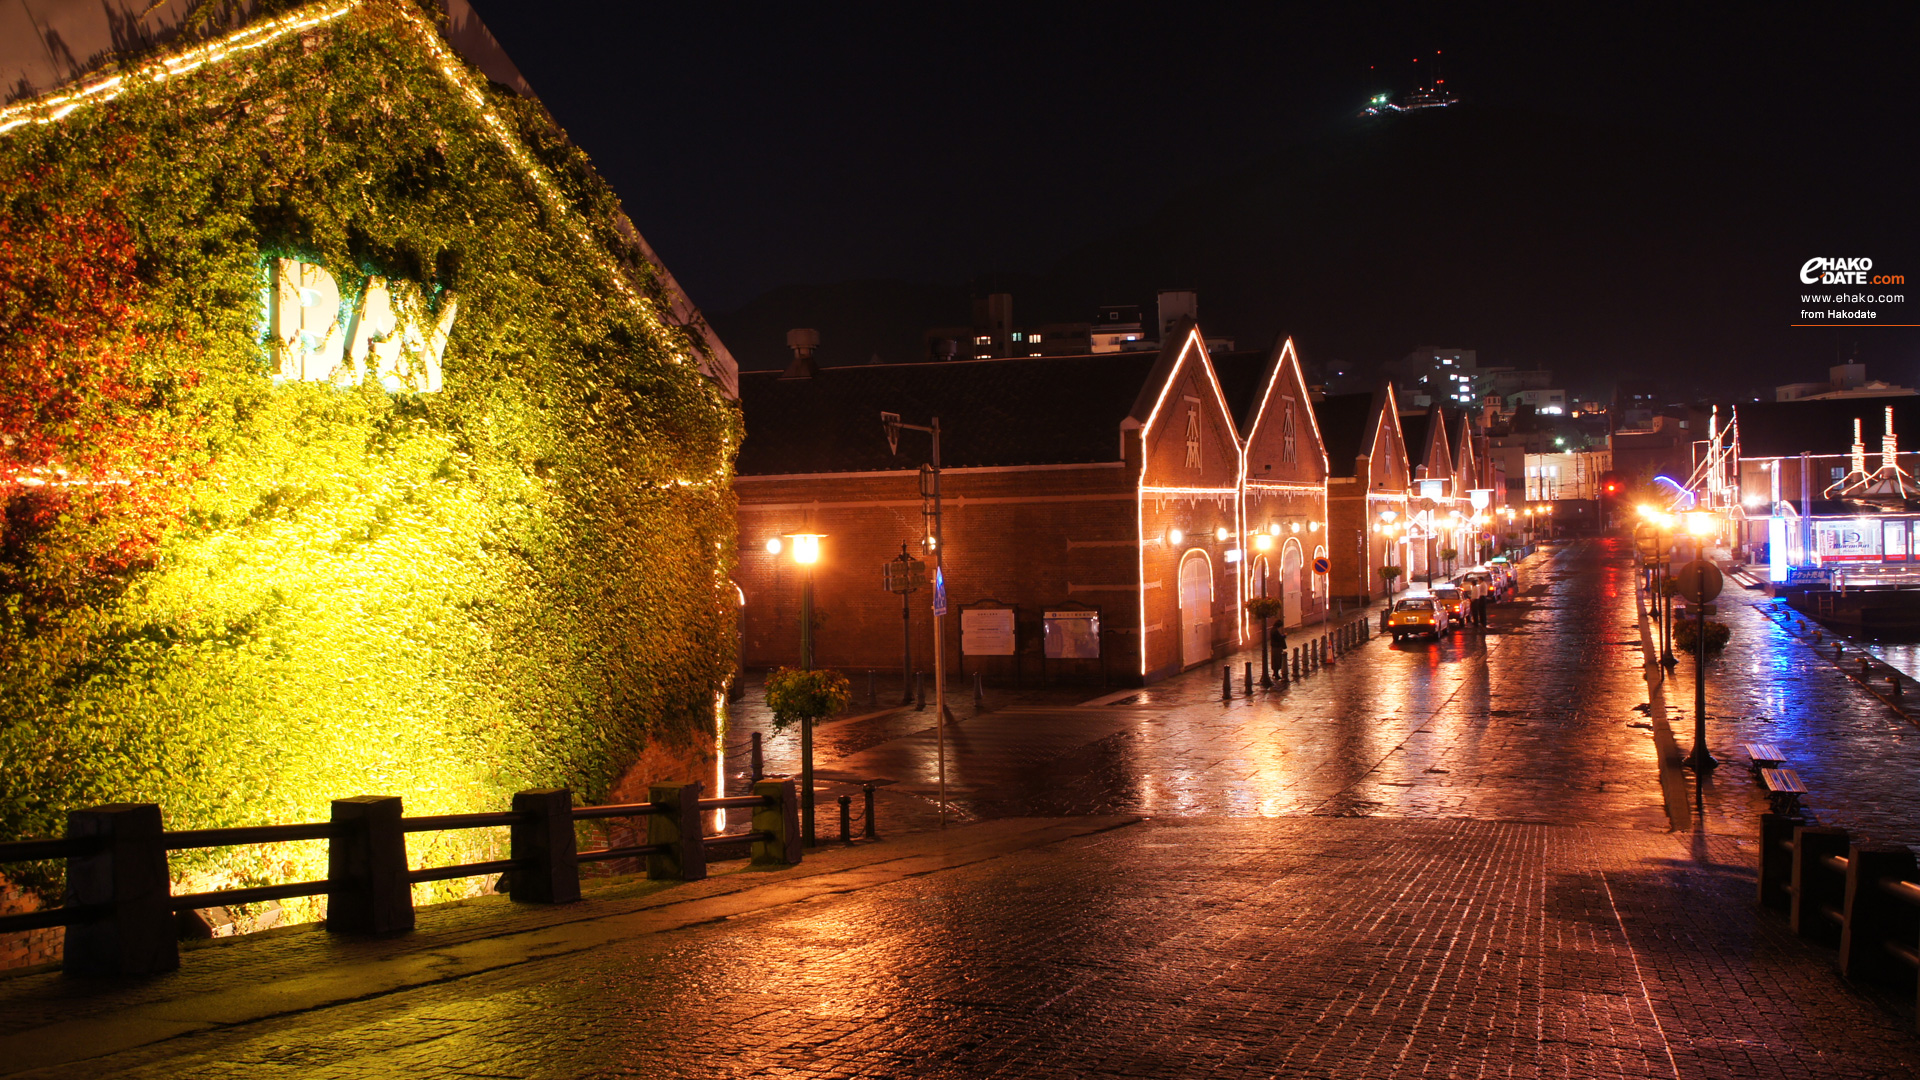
(1417, 615)
(1455, 600)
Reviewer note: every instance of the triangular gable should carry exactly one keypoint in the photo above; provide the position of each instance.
(1436, 455)
(1282, 379)
(1386, 430)
(1467, 470)
(1183, 371)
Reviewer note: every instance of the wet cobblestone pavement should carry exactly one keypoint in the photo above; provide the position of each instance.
(1450, 859)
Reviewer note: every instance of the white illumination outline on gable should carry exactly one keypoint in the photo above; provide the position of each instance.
(1193, 343)
(1289, 361)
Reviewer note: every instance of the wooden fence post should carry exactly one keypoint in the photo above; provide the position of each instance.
(129, 929)
(1873, 916)
(782, 819)
(1815, 886)
(546, 857)
(1776, 864)
(676, 823)
(367, 889)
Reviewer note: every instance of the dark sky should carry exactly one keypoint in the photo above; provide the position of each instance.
(759, 145)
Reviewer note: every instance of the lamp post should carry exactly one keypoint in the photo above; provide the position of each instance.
(1702, 588)
(930, 510)
(806, 552)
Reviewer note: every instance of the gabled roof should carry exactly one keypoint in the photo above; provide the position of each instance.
(1282, 365)
(1786, 428)
(1024, 411)
(1467, 463)
(88, 49)
(1346, 424)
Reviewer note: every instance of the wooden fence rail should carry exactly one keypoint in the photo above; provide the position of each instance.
(119, 908)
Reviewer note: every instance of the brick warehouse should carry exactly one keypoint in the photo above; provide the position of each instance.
(1111, 481)
(1366, 489)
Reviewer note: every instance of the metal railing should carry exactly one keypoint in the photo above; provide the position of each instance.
(119, 909)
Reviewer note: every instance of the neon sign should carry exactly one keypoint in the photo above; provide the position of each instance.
(390, 336)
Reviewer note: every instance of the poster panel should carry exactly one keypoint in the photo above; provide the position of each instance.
(986, 631)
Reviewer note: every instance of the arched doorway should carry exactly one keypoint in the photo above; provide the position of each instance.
(1196, 609)
(1262, 571)
(1290, 582)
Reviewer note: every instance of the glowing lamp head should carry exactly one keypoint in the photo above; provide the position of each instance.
(1273, 529)
(1221, 534)
(1388, 516)
(1296, 526)
(1700, 523)
(1753, 501)
(1263, 542)
(1313, 526)
(806, 548)
(1174, 536)
(774, 545)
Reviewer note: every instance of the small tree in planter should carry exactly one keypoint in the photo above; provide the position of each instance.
(1388, 574)
(804, 697)
(1684, 633)
(1266, 609)
(796, 696)
(1447, 555)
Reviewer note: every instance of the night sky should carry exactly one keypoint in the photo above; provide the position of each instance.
(793, 150)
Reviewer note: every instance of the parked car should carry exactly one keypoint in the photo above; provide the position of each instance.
(1455, 600)
(1418, 615)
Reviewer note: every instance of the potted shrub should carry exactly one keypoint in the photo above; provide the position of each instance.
(1718, 634)
(802, 697)
(796, 696)
(1447, 555)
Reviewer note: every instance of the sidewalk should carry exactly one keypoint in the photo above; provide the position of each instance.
(1299, 946)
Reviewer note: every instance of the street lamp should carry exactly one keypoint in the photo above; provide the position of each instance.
(1700, 525)
(806, 552)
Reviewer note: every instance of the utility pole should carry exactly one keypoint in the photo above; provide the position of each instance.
(930, 509)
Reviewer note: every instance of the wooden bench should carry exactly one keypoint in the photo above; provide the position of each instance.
(1763, 755)
(1783, 790)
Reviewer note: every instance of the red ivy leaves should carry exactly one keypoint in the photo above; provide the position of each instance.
(90, 455)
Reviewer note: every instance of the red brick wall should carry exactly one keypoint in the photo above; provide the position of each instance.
(1033, 538)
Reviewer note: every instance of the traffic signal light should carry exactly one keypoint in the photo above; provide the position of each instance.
(1611, 484)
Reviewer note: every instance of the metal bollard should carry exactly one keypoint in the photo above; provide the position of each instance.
(1893, 685)
(979, 694)
(1249, 682)
(919, 694)
(846, 819)
(759, 763)
(1226, 683)
(867, 790)
(1297, 669)
(1864, 667)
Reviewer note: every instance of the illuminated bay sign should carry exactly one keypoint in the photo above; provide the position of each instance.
(390, 335)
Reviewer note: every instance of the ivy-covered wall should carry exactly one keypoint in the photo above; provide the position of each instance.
(241, 596)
